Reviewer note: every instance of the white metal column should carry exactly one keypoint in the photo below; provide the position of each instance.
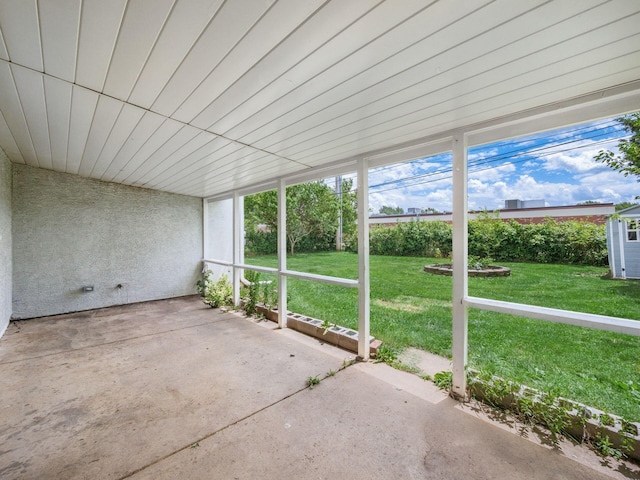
(363, 260)
(205, 229)
(237, 241)
(282, 254)
(460, 270)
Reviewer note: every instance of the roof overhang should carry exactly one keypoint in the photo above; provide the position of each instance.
(204, 97)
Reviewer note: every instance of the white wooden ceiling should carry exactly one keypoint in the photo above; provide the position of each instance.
(204, 96)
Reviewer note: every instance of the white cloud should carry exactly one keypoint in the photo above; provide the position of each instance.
(574, 161)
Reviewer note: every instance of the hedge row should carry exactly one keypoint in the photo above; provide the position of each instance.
(578, 243)
(259, 242)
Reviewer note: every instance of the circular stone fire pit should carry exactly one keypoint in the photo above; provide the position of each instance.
(489, 271)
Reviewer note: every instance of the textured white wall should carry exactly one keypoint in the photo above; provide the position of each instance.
(69, 232)
(5, 242)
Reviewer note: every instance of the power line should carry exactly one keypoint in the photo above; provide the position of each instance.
(449, 170)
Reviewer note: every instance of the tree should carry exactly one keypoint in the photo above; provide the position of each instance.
(349, 208)
(386, 210)
(312, 211)
(623, 205)
(628, 161)
(431, 210)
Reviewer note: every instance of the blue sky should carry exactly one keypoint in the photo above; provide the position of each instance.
(556, 166)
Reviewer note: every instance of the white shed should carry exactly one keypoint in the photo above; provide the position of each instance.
(623, 243)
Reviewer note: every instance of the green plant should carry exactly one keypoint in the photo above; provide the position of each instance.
(269, 294)
(252, 292)
(386, 355)
(604, 447)
(217, 293)
(326, 325)
(606, 420)
(312, 381)
(331, 373)
(443, 380)
(478, 263)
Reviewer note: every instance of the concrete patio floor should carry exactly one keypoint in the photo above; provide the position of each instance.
(173, 389)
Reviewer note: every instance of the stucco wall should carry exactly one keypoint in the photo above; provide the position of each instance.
(70, 232)
(5, 242)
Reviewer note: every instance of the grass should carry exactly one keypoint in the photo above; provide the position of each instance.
(410, 308)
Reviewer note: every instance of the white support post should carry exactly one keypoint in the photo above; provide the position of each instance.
(241, 232)
(363, 260)
(460, 270)
(237, 233)
(205, 229)
(282, 254)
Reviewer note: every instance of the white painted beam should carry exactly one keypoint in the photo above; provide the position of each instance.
(342, 282)
(237, 232)
(282, 254)
(460, 269)
(589, 320)
(364, 285)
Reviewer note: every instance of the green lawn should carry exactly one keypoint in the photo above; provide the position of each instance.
(412, 308)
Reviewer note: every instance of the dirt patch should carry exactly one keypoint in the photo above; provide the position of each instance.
(411, 304)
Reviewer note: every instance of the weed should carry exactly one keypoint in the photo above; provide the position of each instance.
(443, 380)
(313, 381)
(387, 355)
(326, 324)
(331, 373)
(606, 420)
(269, 294)
(605, 448)
(252, 292)
(216, 293)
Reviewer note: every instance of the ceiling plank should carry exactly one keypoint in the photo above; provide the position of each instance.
(372, 41)
(278, 22)
(4, 54)
(59, 23)
(9, 145)
(107, 112)
(31, 93)
(11, 108)
(148, 124)
(183, 28)
(155, 141)
(319, 29)
(491, 110)
(155, 161)
(142, 23)
(449, 66)
(126, 123)
(99, 26)
(58, 100)
(21, 32)
(83, 107)
(199, 141)
(230, 24)
(453, 85)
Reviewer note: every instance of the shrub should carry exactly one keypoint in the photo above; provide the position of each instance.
(573, 242)
(216, 293)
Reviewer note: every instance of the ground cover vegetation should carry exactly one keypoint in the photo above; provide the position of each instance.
(410, 308)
